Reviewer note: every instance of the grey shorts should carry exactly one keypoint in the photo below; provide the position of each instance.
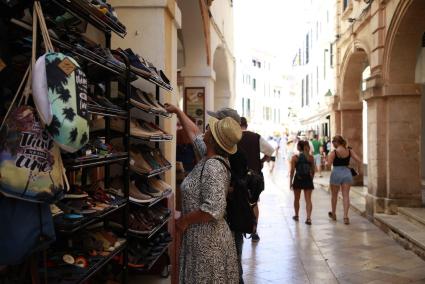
(341, 175)
(317, 159)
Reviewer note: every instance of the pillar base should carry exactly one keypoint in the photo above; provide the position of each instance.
(387, 205)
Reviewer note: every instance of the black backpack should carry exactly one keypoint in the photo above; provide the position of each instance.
(302, 167)
(255, 185)
(240, 200)
(239, 211)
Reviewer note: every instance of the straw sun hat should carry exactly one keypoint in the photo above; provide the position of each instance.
(226, 133)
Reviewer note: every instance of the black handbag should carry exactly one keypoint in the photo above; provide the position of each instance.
(353, 172)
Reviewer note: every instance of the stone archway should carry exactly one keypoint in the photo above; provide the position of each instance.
(351, 101)
(403, 104)
(222, 86)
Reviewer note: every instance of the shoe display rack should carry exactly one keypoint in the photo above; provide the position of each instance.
(115, 216)
(149, 239)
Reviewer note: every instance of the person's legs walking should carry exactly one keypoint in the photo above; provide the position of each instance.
(309, 205)
(318, 163)
(255, 237)
(334, 199)
(345, 188)
(297, 195)
(239, 245)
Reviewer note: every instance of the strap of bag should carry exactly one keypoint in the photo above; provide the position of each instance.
(43, 27)
(220, 160)
(65, 178)
(15, 97)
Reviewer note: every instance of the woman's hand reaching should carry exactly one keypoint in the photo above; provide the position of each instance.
(171, 108)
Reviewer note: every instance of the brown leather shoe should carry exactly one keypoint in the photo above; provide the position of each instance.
(159, 158)
(138, 163)
(159, 185)
(137, 196)
(137, 226)
(138, 102)
(137, 130)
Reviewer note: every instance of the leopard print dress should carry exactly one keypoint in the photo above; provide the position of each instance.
(208, 253)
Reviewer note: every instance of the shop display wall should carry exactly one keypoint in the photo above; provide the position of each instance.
(114, 219)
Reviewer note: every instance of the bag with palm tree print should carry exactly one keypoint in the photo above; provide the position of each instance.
(60, 93)
(30, 162)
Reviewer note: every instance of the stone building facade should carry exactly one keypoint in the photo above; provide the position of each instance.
(313, 67)
(262, 92)
(387, 37)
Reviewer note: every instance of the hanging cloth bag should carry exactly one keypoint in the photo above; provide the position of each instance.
(31, 167)
(60, 93)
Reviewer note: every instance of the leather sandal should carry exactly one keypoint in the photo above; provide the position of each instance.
(295, 218)
(332, 216)
(346, 221)
(308, 221)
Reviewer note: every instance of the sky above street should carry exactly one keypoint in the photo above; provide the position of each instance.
(271, 26)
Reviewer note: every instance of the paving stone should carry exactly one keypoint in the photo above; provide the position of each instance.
(327, 251)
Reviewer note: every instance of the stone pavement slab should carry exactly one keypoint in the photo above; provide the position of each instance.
(327, 251)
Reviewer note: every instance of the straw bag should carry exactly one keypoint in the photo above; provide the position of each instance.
(60, 92)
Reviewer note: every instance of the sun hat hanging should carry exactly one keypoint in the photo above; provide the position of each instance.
(31, 167)
(60, 93)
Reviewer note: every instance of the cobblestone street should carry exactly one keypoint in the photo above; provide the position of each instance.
(326, 252)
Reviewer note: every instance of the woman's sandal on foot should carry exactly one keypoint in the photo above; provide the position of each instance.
(295, 218)
(332, 216)
(346, 221)
(308, 222)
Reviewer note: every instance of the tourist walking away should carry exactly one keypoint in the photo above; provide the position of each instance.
(272, 161)
(291, 150)
(317, 154)
(252, 145)
(301, 179)
(208, 253)
(341, 175)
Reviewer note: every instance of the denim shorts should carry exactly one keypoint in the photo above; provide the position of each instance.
(341, 175)
(317, 159)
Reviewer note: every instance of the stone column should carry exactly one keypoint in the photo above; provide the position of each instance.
(196, 71)
(152, 33)
(394, 149)
(404, 134)
(377, 155)
(351, 130)
(335, 120)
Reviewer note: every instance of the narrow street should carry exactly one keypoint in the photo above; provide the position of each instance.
(326, 252)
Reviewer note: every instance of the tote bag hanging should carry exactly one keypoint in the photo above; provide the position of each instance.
(30, 162)
(60, 93)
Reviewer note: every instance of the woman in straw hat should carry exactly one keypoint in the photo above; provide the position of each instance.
(208, 253)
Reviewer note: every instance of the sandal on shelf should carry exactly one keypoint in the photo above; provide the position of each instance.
(346, 221)
(332, 216)
(308, 221)
(295, 218)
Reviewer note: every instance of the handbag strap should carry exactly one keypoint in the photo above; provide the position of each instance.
(65, 178)
(18, 91)
(43, 27)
